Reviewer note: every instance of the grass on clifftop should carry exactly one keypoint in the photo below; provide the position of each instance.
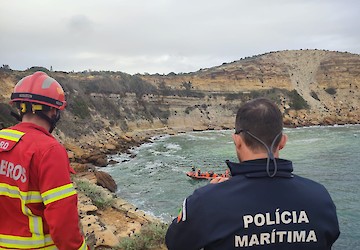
(94, 194)
(151, 236)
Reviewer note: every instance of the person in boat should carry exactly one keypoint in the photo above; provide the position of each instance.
(227, 174)
(263, 205)
(211, 173)
(224, 176)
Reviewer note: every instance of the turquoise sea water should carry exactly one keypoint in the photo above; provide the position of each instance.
(155, 179)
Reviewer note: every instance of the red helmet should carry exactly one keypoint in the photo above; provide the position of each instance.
(41, 89)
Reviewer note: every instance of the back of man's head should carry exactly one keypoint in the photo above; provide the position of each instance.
(263, 119)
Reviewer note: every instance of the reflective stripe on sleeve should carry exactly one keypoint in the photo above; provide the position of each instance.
(58, 193)
(11, 135)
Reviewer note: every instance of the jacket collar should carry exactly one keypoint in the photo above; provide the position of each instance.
(29, 125)
(257, 168)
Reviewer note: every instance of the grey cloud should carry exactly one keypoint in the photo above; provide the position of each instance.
(80, 23)
(162, 36)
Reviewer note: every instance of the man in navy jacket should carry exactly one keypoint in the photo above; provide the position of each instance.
(263, 205)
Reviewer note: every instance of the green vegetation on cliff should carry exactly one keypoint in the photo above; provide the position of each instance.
(151, 236)
(6, 119)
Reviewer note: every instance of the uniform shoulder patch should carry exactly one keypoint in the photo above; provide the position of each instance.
(182, 213)
(9, 138)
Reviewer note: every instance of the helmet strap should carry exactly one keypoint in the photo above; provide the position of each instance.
(23, 108)
(38, 109)
(51, 120)
(16, 115)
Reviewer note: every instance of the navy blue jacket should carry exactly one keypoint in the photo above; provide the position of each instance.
(253, 211)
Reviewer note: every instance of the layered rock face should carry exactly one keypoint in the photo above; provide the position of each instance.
(310, 86)
(328, 82)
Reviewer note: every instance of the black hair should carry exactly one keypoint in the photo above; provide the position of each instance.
(263, 119)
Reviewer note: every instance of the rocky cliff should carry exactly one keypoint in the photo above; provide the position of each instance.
(311, 87)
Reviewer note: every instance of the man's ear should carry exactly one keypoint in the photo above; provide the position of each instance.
(238, 141)
(283, 141)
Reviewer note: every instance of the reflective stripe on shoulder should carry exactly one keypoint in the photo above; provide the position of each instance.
(11, 135)
(58, 193)
(18, 242)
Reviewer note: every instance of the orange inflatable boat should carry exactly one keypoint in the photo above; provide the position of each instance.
(205, 175)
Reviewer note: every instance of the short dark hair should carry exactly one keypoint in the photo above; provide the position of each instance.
(262, 118)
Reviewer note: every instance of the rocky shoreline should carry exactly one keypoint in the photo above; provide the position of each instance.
(105, 227)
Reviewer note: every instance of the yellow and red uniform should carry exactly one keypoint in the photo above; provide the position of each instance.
(38, 203)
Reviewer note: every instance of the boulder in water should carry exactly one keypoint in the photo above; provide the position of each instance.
(105, 180)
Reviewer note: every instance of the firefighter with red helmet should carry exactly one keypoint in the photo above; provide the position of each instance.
(38, 201)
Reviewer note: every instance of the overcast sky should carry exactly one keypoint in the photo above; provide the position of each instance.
(163, 36)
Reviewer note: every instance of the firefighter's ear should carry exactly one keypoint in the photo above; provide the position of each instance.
(52, 112)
